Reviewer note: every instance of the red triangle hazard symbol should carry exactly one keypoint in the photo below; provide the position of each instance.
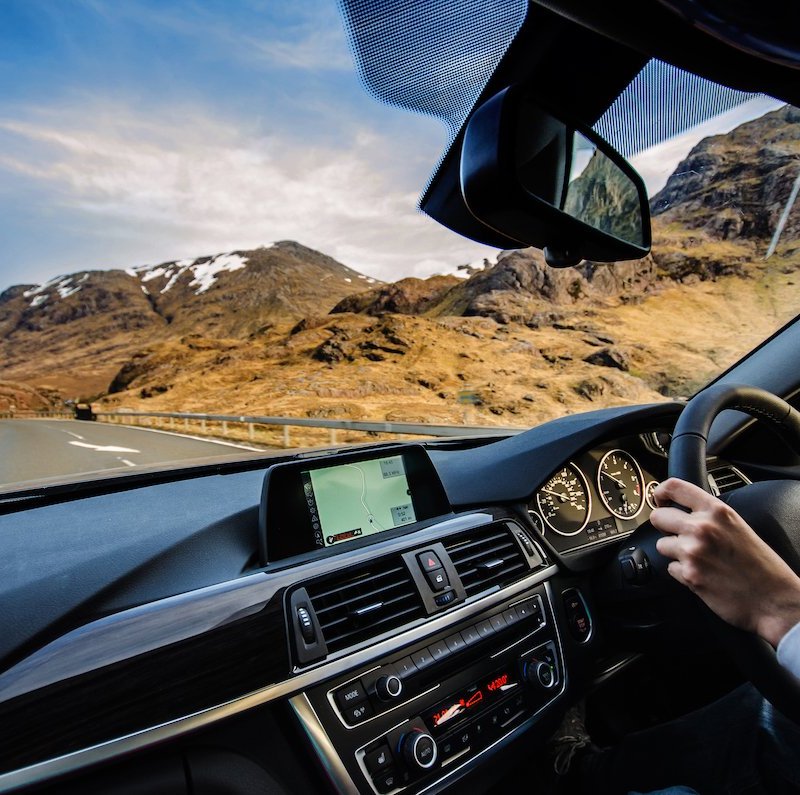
(431, 562)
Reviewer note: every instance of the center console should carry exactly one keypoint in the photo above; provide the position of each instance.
(412, 718)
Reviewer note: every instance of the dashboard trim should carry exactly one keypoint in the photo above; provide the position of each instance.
(42, 771)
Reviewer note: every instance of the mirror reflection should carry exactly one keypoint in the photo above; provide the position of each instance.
(600, 194)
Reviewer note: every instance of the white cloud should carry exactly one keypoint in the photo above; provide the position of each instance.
(204, 184)
(657, 163)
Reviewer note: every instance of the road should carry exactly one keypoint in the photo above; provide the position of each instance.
(31, 450)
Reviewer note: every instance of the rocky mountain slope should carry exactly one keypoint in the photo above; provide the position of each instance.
(288, 331)
(75, 332)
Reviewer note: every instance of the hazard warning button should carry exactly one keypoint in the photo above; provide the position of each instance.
(429, 560)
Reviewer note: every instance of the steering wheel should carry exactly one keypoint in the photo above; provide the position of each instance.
(771, 508)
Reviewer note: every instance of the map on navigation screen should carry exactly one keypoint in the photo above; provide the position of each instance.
(354, 500)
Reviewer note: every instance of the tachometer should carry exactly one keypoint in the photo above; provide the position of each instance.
(564, 501)
(620, 483)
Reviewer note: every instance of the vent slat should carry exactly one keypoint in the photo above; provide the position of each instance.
(726, 479)
(486, 558)
(361, 604)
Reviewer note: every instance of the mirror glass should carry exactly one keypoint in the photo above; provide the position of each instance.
(601, 194)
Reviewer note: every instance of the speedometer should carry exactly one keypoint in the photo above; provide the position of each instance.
(564, 501)
(620, 483)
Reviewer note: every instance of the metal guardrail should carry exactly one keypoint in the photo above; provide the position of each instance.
(365, 426)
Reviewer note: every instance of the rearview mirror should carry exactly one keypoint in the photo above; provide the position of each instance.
(550, 184)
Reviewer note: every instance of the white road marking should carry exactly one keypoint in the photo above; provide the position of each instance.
(196, 438)
(76, 435)
(126, 462)
(105, 448)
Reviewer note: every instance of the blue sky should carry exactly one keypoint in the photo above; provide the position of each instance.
(138, 131)
(134, 132)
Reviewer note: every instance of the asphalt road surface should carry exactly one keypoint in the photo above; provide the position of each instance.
(32, 450)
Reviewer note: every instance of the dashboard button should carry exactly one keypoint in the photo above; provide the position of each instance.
(387, 780)
(498, 622)
(429, 561)
(378, 759)
(527, 608)
(437, 579)
(448, 747)
(422, 659)
(485, 628)
(405, 667)
(510, 616)
(350, 694)
(439, 650)
(470, 635)
(355, 713)
(456, 642)
(445, 598)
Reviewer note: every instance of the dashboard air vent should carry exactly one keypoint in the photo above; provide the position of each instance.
(726, 478)
(486, 557)
(365, 602)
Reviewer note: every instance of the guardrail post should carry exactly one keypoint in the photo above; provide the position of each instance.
(250, 431)
(224, 427)
(203, 425)
(185, 424)
(285, 435)
(333, 435)
(172, 422)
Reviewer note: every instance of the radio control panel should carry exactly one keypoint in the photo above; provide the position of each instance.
(411, 719)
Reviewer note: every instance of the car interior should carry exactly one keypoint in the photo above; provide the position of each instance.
(222, 628)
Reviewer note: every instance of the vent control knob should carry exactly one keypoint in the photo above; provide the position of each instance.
(306, 625)
(388, 687)
(540, 674)
(419, 750)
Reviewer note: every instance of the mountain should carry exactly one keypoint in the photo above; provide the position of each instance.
(74, 332)
(287, 330)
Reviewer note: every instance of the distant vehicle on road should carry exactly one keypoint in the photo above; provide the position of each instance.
(84, 411)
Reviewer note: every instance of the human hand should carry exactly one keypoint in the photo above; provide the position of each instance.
(716, 554)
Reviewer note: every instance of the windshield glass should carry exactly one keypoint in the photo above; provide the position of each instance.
(212, 245)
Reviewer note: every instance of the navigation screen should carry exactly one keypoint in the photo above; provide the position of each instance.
(355, 500)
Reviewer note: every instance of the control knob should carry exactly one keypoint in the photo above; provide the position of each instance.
(539, 674)
(388, 687)
(418, 749)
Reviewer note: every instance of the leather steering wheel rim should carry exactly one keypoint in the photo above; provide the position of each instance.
(687, 460)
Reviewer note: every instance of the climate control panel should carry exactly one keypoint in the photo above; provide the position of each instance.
(413, 718)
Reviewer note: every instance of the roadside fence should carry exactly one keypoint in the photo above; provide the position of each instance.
(273, 431)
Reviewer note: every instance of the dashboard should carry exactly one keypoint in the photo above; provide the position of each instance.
(403, 612)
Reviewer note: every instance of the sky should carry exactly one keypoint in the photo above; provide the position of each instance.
(134, 132)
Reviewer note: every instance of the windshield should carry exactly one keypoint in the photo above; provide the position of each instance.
(212, 246)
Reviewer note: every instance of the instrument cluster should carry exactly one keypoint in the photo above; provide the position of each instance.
(601, 495)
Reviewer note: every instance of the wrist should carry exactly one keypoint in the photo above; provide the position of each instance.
(783, 615)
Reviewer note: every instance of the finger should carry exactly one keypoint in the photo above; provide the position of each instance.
(683, 493)
(669, 546)
(676, 572)
(671, 520)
